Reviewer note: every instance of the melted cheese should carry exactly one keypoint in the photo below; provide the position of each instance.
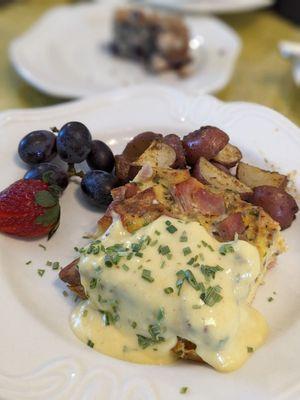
(144, 320)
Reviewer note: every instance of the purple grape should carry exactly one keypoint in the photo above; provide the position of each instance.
(74, 142)
(97, 185)
(37, 147)
(100, 157)
(53, 174)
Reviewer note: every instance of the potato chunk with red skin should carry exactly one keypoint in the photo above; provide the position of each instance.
(205, 142)
(280, 205)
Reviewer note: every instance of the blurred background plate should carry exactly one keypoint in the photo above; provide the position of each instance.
(209, 6)
(65, 54)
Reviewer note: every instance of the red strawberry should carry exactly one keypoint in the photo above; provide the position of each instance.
(29, 208)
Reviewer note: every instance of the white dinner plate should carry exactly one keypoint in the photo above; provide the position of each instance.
(65, 54)
(40, 356)
(209, 6)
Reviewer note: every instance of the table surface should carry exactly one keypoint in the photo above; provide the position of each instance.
(260, 76)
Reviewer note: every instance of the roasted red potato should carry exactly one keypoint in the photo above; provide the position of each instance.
(158, 155)
(280, 205)
(206, 142)
(208, 173)
(254, 176)
(139, 144)
(175, 142)
(229, 156)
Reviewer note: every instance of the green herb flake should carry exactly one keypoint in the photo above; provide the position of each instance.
(164, 250)
(163, 263)
(55, 265)
(210, 271)
(157, 233)
(196, 306)
(90, 343)
(270, 299)
(160, 314)
(41, 272)
(139, 254)
(125, 267)
(183, 390)
(226, 249)
(183, 237)
(93, 283)
(153, 243)
(186, 251)
(146, 274)
(211, 295)
(28, 262)
(250, 349)
(42, 246)
(168, 290)
(65, 293)
(49, 263)
(171, 229)
(205, 244)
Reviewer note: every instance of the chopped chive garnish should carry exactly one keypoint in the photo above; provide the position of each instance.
(164, 250)
(168, 290)
(93, 283)
(160, 314)
(28, 262)
(210, 271)
(183, 390)
(250, 349)
(191, 261)
(168, 223)
(205, 244)
(146, 274)
(129, 257)
(55, 265)
(157, 233)
(42, 246)
(76, 248)
(133, 324)
(49, 263)
(186, 251)
(163, 263)
(171, 229)
(125, 267)
(152, 244)
(211, 295)
(66, 294)
(270, 299)
(41, 272)
(226, 249)
(183, 237)
(139, 254)
(90, 343)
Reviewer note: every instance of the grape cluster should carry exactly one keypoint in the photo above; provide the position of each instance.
(73, 145)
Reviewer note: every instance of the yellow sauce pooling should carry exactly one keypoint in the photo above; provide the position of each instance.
(169, 279)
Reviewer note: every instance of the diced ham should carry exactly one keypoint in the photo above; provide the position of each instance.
(193, 196)
(125, 192)
(230, 226)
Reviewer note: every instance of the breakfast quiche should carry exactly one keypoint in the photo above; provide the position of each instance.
(172, 271)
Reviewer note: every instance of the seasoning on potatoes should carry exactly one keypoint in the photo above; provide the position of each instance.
(280, 205)
(205, 171)
(206, 142)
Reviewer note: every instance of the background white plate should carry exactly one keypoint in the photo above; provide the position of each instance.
(209, 6)
(40, 356)
(64, 54)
